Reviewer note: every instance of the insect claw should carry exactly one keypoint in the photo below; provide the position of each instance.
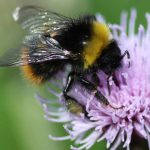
(128, 56)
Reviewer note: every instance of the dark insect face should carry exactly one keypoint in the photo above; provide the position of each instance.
(111, 58)
(112, 65)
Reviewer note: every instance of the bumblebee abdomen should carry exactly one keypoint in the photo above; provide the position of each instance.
(41, 72)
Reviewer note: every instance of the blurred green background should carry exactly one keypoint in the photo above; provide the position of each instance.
(22, 126)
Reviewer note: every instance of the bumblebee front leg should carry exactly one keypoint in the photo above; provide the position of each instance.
(108, 85)
(114, 78)
(128, 56)
(72, 104)
(93, 88)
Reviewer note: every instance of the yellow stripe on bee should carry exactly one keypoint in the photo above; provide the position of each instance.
(99, 39)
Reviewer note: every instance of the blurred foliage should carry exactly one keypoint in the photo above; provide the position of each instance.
(22, 126)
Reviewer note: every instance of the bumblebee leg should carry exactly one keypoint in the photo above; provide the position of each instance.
(72, 104)
(74, 107)
(108, 85)
(69, 83)
(93, 88)
(128, 56)
(115, 80)
(95, 79)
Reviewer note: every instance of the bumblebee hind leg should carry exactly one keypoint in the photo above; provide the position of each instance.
(73, 106)
(93, 88)
(71, 103)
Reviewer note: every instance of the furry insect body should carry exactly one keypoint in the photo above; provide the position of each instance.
(39, 73)
(84, 36)
(54, 41)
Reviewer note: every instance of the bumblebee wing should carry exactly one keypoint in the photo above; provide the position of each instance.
(24, 56)
(35, 50)
(38, 20)
(11, 57)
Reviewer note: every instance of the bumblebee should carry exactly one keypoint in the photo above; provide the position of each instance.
(53, 41)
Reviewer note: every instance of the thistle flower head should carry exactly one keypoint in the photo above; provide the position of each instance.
(131, 96)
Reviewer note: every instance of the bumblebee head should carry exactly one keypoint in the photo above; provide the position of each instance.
(111, 58)
(111, 65)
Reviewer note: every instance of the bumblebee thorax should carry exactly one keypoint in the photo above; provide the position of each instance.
(94, 47)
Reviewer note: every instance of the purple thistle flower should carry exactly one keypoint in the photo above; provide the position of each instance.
(131, 97)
